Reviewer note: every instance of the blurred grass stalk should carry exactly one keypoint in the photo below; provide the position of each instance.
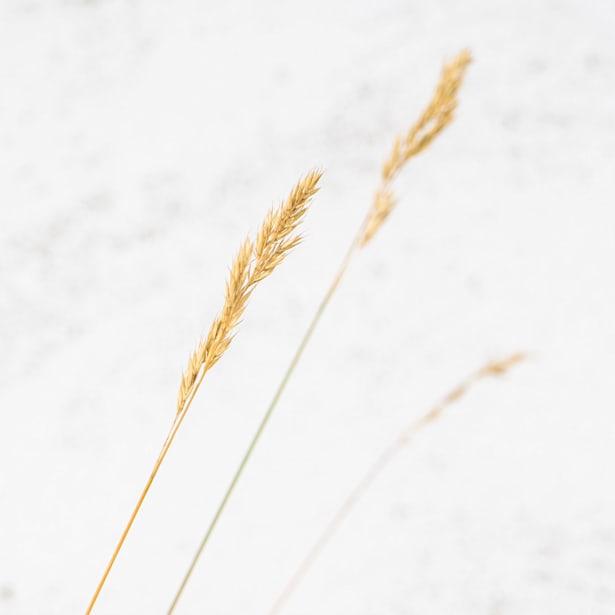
(438, 114)
(493, 368)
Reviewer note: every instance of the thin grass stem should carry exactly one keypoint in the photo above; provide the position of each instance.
(163, 452)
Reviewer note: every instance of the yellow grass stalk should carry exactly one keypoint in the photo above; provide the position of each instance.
(255, 261)
(493, 368)
(436, 116)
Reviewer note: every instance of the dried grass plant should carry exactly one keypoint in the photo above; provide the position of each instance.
(491, 369)
(255, 261)
(438, 114)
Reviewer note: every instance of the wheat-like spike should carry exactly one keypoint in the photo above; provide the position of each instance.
(436, 116)
(254, 262)
(257, 260)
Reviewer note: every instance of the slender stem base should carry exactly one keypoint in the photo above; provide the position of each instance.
(179, 417)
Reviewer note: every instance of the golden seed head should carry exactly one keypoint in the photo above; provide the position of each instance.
(254, 261)
(436, 116)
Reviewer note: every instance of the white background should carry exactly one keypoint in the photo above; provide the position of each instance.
(141, 141)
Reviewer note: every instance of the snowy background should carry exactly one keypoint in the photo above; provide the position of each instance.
(140, 142)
